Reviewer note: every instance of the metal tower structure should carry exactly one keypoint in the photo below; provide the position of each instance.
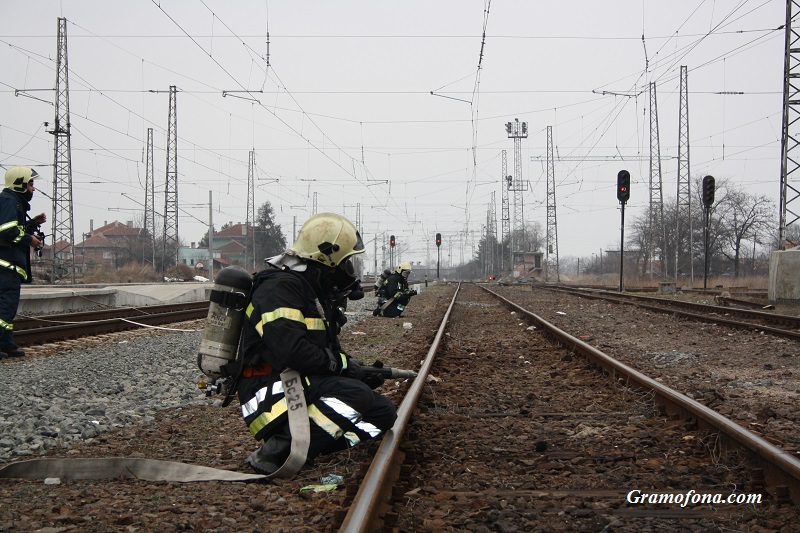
(790, 153)
(683, 236)
(171, 188)
(656, 218)
(518, 130)
(62, 163)
(314, 206)
(505, 221)
(552, 224)
(491, 236)
(250, 224)
(150, 196)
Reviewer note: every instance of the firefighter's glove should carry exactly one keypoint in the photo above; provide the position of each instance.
(353, 369)
(374, 380)
(412, 292)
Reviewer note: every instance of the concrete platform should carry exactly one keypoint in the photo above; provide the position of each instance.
(44, 299)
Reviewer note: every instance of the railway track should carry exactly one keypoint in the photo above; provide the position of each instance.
(523, 434)
(35, 331)
(718, 314)
(509, 427)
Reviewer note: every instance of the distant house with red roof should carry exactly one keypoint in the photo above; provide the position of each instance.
(111, 245)
(230, 248)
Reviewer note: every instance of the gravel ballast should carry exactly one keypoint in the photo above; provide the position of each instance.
(81, 393)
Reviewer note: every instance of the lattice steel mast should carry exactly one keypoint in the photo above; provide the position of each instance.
(552, 223)
(171, 188)
(250, 224)
(518, 130)
(150, 196)
(656, 218)
(505, 221)
(491, 235)
(683, 238)
(790, 154)
(62, 162)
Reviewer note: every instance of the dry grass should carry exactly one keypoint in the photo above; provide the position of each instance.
(726, 282)
(130, 273)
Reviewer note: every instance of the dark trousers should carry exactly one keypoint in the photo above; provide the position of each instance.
(9, 302)
(375, 410)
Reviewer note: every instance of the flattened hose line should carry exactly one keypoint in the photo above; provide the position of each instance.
(120, 467)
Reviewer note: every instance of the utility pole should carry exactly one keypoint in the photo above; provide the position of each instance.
(656, 218)
(790, 184)
(518, 130)
(491, 235)
(62, 161)
(552, 224)
(250, 224)
(684, 198)
(505, 220)
(314, 207)
(210, 238)
(149, 196)
(171, 188)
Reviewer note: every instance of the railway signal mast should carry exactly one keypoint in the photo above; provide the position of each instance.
(623, 195)
(709, 188)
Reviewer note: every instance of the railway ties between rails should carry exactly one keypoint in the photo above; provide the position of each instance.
(521, 433)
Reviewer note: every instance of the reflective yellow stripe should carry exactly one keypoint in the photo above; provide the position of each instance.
(330, 427)
(5, 325)
(21, 234)
(7, 225)
(283, 312)
(315, 323)
(18, 270)
(265, 419)
(288, 313)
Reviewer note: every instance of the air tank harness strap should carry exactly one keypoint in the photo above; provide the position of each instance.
(232, 300)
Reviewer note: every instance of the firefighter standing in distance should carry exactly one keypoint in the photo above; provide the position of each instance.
(395, 294)
(18, 235)
(293, 320)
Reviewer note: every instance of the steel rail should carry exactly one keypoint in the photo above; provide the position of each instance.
(30, 322)
(780, 468)
(375, 488)
(672, 307)
(43, 335)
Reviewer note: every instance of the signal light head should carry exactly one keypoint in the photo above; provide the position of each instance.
(623, 186)
(708, 191)
(391, 241)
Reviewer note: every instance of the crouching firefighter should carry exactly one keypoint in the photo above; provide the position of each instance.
(394, 295)
(290, 346)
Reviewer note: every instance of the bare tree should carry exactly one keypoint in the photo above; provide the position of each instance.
(740, 217)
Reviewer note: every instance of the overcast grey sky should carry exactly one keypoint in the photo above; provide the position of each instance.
(344, 109)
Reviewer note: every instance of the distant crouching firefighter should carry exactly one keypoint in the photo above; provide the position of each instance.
(292, 324)
(395, 295)
(18, 234)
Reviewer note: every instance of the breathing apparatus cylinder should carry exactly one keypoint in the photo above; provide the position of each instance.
(226, 312)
